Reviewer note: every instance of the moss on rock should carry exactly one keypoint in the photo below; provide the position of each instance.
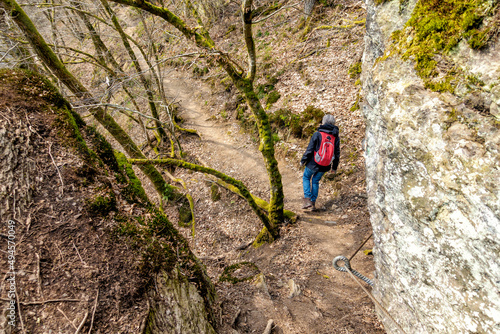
(436, 27)
(163, 248)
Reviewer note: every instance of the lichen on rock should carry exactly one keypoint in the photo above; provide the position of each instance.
(432, 158)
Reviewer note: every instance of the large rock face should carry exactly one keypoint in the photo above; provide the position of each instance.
(433, 181)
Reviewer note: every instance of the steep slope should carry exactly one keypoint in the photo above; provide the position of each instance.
(82, 247)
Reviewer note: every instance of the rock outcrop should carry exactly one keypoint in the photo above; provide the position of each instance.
(433, 180)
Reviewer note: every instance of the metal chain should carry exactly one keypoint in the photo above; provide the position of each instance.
(348, 266)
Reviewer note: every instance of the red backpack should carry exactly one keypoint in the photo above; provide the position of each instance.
(324, 156)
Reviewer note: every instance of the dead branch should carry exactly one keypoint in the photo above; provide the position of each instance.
(82, 323)
(93, 312)
(269, 326)
(64, 314)
(276, 12)
(77, 252)
(57, 169)
(38, 274)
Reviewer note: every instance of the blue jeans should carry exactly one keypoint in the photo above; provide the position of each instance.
(311, 190)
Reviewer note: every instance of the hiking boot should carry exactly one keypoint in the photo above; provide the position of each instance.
(313, 206)
(307, 203)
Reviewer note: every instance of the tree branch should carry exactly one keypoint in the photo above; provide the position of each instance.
(246, 13)
(236, 183)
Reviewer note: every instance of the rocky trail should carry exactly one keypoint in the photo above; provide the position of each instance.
(295, 283)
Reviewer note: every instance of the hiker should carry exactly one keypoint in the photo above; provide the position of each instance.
(322, 155)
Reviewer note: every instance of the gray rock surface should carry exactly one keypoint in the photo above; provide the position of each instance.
(433, 181)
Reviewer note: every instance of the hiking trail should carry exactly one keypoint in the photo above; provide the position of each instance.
(304, 252)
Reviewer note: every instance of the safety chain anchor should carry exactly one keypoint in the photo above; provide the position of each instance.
(347, 266)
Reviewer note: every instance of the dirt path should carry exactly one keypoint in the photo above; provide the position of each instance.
(328, 302)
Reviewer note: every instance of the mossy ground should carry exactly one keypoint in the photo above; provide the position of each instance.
(228, 275)
(102, 205)
(298, 125)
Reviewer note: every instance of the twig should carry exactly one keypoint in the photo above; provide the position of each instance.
(50, 301)
(235, 318)
(28, 222)
(39, 277)
(7, 52)
(82, 323)
(1, 113)
(276, 12)
(19, 309)
(72, 324)
(93, 312)
(357, 250)
(77, 252)
(269, 326)
(57, 169)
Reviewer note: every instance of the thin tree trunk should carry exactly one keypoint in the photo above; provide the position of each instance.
(137, 65)
(308, 7)
(247, 31)
(96, 40)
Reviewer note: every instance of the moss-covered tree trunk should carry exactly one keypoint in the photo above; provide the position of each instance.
(242, 190)
(58, 69)
(147, 85)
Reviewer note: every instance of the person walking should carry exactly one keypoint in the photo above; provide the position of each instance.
(322, 155)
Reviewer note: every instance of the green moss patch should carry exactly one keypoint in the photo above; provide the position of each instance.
(214, 192)
(272, 98)
(435, 29)
(185, 214)
(133, 191)
(355, 70)
(298, 125)
(239, 272)
(102, 205)
(263, 238)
